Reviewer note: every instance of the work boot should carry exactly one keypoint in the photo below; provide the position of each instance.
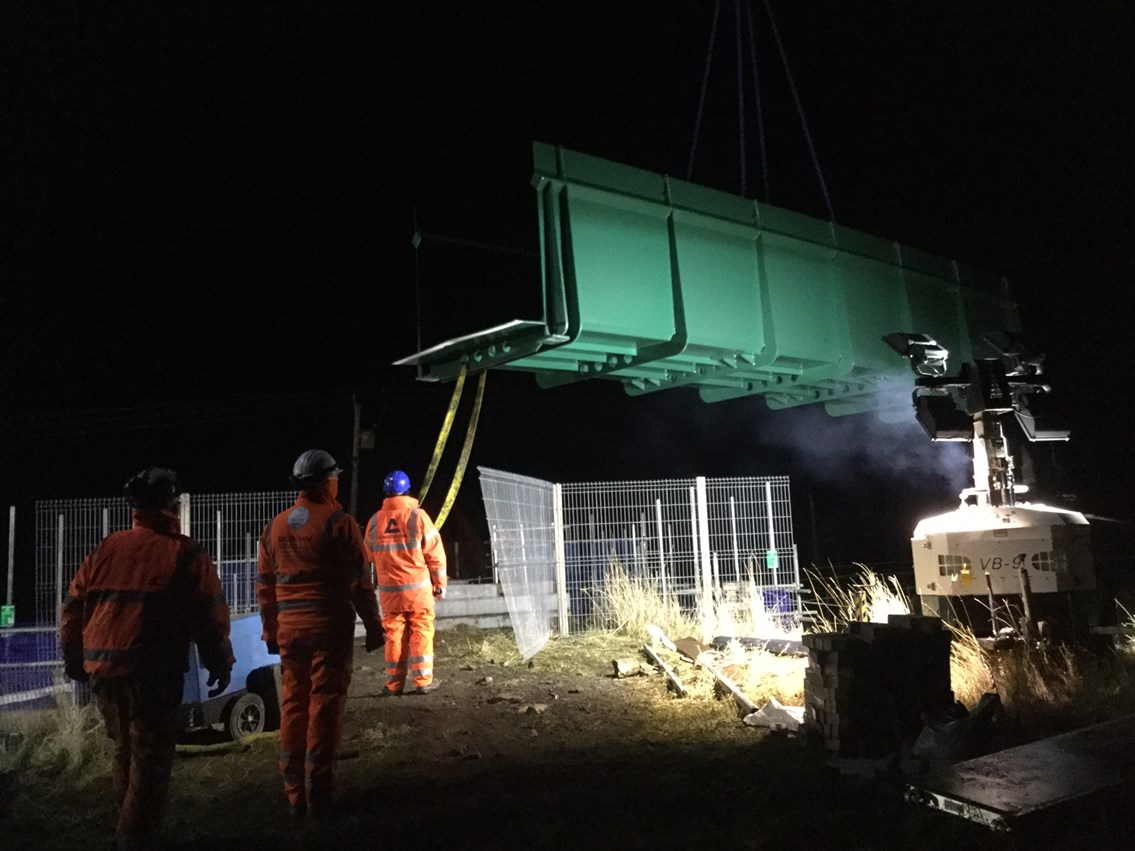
(427, 688)
(389, 692)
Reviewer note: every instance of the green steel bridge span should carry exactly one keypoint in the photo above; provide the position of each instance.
(658, 283)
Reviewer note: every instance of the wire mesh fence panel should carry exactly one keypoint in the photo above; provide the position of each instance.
(228, 525)
(704, 546)
(751, 546)
(522, 533)
(66, 531)
(645, 531)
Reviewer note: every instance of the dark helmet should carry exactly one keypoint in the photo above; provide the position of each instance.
(154, 489)
(313, 467)
(395, 483)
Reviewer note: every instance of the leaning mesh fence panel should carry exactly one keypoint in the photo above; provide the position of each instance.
(520, 511)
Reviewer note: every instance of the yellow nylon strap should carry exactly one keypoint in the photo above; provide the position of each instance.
(466, 451)
(443, 435)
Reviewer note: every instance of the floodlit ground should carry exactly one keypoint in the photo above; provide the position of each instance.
(554, 753)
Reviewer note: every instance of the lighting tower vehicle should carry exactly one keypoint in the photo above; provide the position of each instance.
(997, 564)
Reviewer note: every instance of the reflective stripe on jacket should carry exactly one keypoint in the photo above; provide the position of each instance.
(408, 556)
(313, 572)
(138, 600)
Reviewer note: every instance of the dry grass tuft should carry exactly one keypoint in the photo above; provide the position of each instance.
(489, 646)
(69, 740)
(1044, 690)
(625, 605)
(867, 597)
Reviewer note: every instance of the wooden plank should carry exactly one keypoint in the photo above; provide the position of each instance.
(675, 683)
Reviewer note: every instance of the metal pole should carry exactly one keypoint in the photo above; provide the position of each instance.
(703, 539)
(185, 514)
(666, 585)
(561, 560)
(812, 521)
(355, 457)
(220, 570)
(992, 605)
(773, 559)
(11, 552)
(733, 527)
(247, 586)
(717, 589)
(59, 572)
(634, 550)
(1026, 601)
(694, 539)
(661, 548)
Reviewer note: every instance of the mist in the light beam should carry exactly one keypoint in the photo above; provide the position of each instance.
(837, 449)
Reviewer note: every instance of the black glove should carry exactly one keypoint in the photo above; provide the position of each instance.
(218, 682)
(375, 640)
(273, 648)
(75, 671)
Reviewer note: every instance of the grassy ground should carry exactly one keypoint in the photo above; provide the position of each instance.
(559, 752)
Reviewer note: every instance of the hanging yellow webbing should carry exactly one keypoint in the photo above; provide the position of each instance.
(466, 451)
(443, 435)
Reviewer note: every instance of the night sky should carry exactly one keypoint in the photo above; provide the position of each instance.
(209, 209)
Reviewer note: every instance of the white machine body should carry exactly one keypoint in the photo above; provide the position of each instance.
(953, 552)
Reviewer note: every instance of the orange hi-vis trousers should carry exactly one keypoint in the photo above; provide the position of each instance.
(315, 675)
(409, 648)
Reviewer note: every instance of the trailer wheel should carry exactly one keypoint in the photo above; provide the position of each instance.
(244, 716)
(265, 682)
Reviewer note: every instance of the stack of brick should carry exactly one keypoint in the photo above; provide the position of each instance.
(866, 690)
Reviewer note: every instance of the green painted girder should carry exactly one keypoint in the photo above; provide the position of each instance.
(658, 283)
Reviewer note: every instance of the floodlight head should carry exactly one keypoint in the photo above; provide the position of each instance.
(1017, 357)
(925, 355)
(941, 418)
(1040, 416)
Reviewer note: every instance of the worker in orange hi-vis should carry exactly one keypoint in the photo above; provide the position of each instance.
(314, 576)
(134, 606)
(409, 566)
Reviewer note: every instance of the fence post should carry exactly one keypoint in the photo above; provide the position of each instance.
(11, 552)
(703, 544)
(661, 549)
(733, 528)
(561, 558)
(772, 557)
(248, 584)
(220, 555)
(59, 573)
(694, 539)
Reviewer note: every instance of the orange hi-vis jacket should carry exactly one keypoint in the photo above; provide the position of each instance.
(313, 571)
(409, 559)
(140, 598)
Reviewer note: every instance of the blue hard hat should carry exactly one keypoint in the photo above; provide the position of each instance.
(395, 483)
